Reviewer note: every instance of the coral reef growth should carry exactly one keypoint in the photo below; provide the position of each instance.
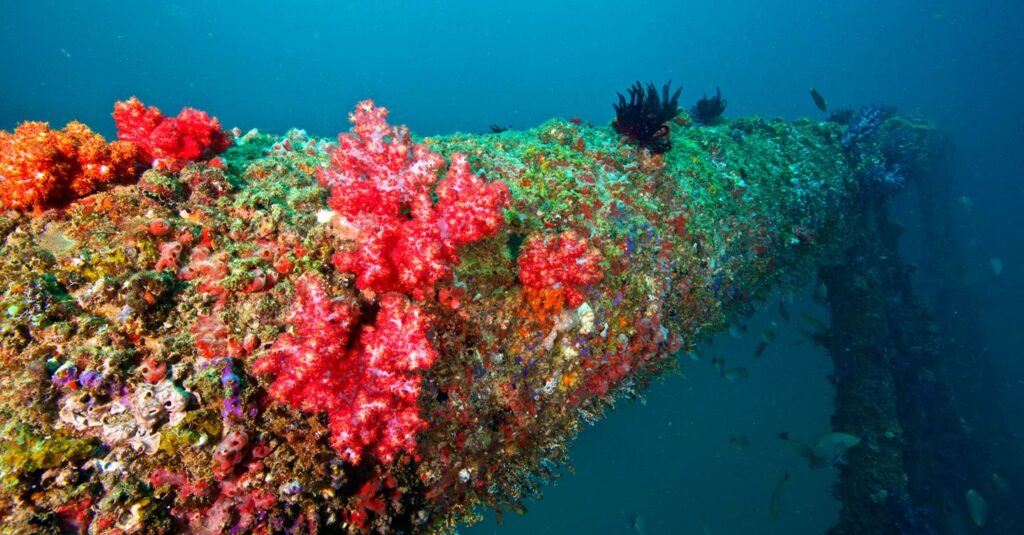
(565, 262)
(382, 333)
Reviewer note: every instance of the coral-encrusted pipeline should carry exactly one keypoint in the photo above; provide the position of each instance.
(384, 332)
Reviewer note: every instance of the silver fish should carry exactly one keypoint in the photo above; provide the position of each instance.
(820, 292)
(739, 442)
(737, 330)
(1001, 484)
(997, 265)
(638, 524)
(735, 374)
(783, 311)
(830, 441)
(768, 335)
(780, 489)
(719, 364)
(801, 449)
(977, 507)
(828, 450)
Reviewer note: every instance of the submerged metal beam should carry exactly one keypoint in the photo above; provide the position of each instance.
(609, 261)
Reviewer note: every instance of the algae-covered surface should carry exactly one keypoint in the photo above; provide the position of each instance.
(132, 318)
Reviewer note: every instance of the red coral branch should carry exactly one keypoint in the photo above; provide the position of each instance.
(169, 142)
(369, 390)
(381, 183)
(567, 262)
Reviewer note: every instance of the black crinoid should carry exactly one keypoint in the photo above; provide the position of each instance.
(708, 111)
(644, 118)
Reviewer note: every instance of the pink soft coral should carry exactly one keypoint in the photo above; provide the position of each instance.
(367, 388)
(381, 183)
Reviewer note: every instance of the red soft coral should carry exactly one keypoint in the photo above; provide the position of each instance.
(40, 167)
(468, 208)
(379, 411)
(169, 142)
(367, 388)
(309, 361)
(567, 262)
(381, 183)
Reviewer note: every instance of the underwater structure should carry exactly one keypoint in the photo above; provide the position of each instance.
(242, 332)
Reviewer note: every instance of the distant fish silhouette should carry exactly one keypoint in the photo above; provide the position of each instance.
(739, 442)
(783, 311)
(977, 507)
(819, 100)
(780, 488)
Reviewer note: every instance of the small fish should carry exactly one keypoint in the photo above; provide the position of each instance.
(783, 312)
(801, 449)
(830, 441)
(767, 337)
(813, 329)
(828, 450)
(736, 330)
(819, 100)
(739, 442)
(735, 374)
(820, 293)
(831, 447)
(719, 364)
(996, 264)
(1001, 484)
(705, 528)
(967, 203)
(638, 524)
(977, 507)
(66, 53)
(780, 488)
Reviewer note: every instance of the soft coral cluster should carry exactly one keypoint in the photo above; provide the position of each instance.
(566, 262)
(380, 184)
(359, 366)
(362, 376)
(169, 142)
(40, 167)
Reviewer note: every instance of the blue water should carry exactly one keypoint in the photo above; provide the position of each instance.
(460, 66)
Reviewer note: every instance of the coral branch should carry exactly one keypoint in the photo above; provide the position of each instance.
(380, 182)
(368, 391)
(169, 142)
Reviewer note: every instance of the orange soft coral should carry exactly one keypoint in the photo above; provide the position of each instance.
(40, 167)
